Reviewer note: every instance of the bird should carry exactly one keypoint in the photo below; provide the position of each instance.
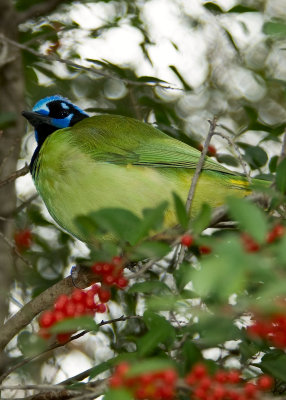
(86, 163)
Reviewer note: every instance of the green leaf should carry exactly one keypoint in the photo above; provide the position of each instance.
(30, 344)
(160, 331)
(122, 223)
(201, 222)
(152, 221)
(275, 28)
(183, 275)
(242, 9)
(149, 287)
(227, 159)
(75, 324)
(150, 250)
(191, 354)
(216, 329)
(250, 217)
(255, 156)
(214, 8)
(281, 176)
(274, 363)
(223, 274)
(118, 394)
(273, 163)
(181, 212)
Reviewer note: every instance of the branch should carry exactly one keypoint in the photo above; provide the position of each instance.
(42, 302)
(38, 10)
(283, 151)
(195, 180)
(56, 345)
(21, 172)
(52, 57)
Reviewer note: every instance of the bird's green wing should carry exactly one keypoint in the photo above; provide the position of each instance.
(122, 140)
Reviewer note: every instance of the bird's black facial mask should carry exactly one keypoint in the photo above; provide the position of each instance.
(53, 113)
(49, 115)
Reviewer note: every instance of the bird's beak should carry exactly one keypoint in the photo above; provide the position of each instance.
(37, 119)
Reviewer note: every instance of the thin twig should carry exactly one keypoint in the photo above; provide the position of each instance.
(57, 345)
(21, 172)
(195, 179)
(53, 57)
(236, 148)
(283, 150)
(25, 203)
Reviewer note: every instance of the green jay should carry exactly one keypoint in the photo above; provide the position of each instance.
(83, 163)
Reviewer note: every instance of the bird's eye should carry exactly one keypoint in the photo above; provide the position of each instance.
(58, 109)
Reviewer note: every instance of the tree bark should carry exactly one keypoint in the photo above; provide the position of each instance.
(11, 100)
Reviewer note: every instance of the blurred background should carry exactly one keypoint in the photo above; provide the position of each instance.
(171, 63)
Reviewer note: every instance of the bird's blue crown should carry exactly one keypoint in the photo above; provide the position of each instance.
(61, 111)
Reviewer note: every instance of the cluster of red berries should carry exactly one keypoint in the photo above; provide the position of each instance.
(23, 239)
(224, 385)
(272, 329)
(111, 273)
(157, 385)
(251, 246)
(161, 385)
(79, 303)
(188, 240)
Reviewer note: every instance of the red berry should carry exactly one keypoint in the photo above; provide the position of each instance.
(115, 381)
(146, 378)
(265, 382)
(211, 150)
(233, 376)
(122, 368)
(97, 268)
(59, 315)
(101, 308)
(78, 296)
(170, 376)
(250, 389)
(47, 319)
(122, 282)
(79, 309)
(108, 279)
(61, 302)
(199, 370)
(23, 239)
(277, 232)
(205, 249)
(89, 301)
(107, 269)
(63, 337)
(141, 393)
(219, 392)
(200, 393)
(249, 244)
(69, 309)
(117, 260)
(187, 240)
(43, 333)
(104, 295)
(221, 376)
(205, 383)
(94, 289)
